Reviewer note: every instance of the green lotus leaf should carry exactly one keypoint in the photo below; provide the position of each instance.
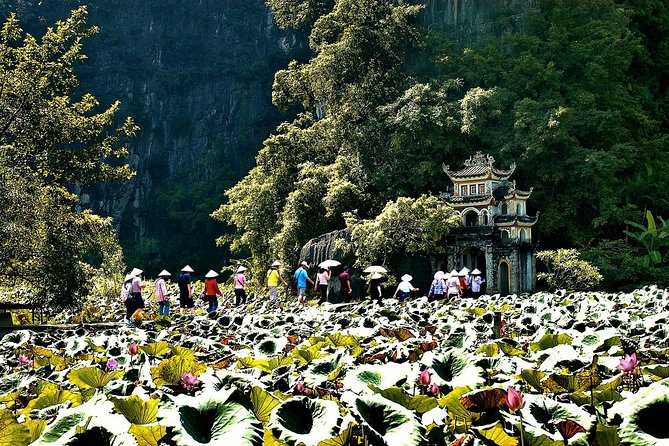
(456, 369)
(533, 378)
(92, 377)
(491, 349)
(452, 403)
(306, 355)
(510, 350)
(343, 439)
(598, 396)
(148, 435)
(550, 341)
(419, 403)
(12, 433)
(51, 395)
(645, 417)
(220, 418)
(263, 403)
(606, 436)
(661, 371)
(155, 348)
(381, 376)
(14, 381)
(544, 413)
(35, 427)
(304, 420)
(185, 353)
(96, 435)
(94, 347)
(324, 369)
(540, 440)
(61, 427)
(497, 435)
(170, 371)
(136, 410)
(385, 422)
(271, 346)
(340, 340)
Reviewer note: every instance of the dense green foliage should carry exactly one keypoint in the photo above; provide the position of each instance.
(48, 141)
(578, 100)
(404, 226)
(567, 271)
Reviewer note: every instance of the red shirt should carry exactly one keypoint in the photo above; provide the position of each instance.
(211, 288)
(345, 280)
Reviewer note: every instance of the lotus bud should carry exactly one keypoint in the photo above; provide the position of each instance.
(434, 389)
(112, 364)
(307, 391)
(629, 364)
(24, 359)
(133, 349)
(299, 387)
(425, 378)
(514, 400)
(189, 381)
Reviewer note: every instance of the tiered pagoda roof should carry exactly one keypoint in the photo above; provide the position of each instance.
(479, 166)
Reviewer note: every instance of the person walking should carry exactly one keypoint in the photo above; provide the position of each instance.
(322, 282)
(136, 292)
(160, 294)
(375, 289)
(126, 298)
(301, 279)
(273, 278)
(453, 287)
(211, 290)
(476, 283)
(405, 288)
(240, 285)
(346, 289)
(186, 291)
(437, 288)
(463, 277)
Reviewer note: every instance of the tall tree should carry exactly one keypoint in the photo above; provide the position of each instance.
(50, 141)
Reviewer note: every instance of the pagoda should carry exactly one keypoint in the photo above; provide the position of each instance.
(496, 232)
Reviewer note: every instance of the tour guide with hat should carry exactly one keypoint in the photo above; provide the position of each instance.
(211, 290)
(186, 290)
(301, 278)
(273, 278)
(136, 288)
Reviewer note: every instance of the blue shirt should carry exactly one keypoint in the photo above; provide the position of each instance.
(184, 280)
(301, 277)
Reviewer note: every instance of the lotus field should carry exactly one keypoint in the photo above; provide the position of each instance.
(540, 370)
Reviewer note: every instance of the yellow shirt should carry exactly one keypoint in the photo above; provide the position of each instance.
(273, 278)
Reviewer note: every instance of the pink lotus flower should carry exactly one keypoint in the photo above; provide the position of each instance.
(111, 365)
(189, 381)
(25, 359)
(133, 349)
(513, 399)
(629, 364)
(425, 378)
(299, 387)
(433, 389)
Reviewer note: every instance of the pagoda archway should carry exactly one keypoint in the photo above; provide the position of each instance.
(473, 257)
(504, 277)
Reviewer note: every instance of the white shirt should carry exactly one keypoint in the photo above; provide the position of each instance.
(405, 287)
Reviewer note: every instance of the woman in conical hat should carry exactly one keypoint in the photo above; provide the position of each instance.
(160, 294)
(211, 290)
(240, 285)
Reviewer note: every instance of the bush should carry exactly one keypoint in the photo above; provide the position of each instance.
(567, 271)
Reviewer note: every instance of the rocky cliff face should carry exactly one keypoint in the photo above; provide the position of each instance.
(196, 76)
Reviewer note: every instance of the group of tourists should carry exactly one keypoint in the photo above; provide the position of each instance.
(131, 293)
(449, 286)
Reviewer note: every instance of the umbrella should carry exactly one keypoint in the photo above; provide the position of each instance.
(329, 263)
(375, 269)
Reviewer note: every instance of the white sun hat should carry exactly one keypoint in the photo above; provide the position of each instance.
(276, 263)
(464, 271)
(136, 272)
(211, 274)
(164, 273)
(476, 271)
(187, 269)
(439, 275)
(376, 276)
(241, 269)
(406, 278)
(453, 273)
(128, 277)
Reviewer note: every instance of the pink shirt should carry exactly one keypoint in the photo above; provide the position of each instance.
(240, 280)
(161, 290)
(323, 278)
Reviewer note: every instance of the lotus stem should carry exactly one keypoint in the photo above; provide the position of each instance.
(522, 434)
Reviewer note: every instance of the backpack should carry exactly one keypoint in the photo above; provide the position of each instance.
(125, 291)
